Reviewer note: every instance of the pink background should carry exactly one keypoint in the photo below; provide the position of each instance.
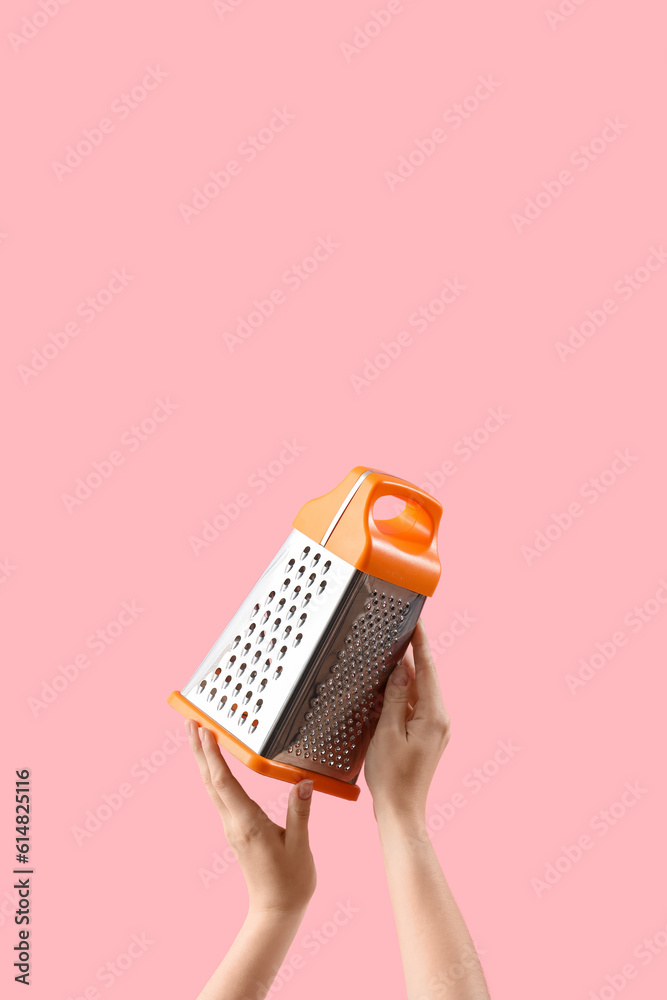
(67, 573)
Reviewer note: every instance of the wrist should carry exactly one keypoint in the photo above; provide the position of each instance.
(265, 916)
(404, 818)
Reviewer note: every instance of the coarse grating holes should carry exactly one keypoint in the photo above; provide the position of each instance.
(248, 657)
(258, 704)
(244, 716)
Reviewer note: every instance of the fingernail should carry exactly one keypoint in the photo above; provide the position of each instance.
(305, 789)
(203, 735)
(400, 676)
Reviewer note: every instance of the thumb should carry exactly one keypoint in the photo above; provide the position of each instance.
(395, 703)
(298, 812)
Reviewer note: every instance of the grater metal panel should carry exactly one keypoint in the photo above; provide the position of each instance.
(329, 724)
(246, 680)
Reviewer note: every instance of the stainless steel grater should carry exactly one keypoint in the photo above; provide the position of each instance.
(290, 685)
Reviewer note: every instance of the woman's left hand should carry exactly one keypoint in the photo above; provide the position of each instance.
(276, 862)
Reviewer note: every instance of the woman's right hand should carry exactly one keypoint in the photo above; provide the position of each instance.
(411, 735)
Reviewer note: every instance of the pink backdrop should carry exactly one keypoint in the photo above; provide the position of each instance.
(444, 229)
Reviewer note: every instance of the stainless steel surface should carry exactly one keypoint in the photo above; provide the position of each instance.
(296, 673)
(246, 679)
(328, 725)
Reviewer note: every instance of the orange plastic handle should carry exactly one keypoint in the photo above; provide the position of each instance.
(402, 550)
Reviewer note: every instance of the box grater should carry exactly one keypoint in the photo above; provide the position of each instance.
(291, 684)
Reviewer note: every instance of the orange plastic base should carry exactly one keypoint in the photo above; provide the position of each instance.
(271, 768)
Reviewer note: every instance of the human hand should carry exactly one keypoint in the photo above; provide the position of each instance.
(411, 734)
(277, 863)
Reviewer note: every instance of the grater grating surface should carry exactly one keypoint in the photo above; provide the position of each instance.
(246, 679)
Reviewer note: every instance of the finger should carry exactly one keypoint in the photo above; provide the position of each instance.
(430, 703)
(395, 702)
(298, 813)
(202, 763)
(230, 791)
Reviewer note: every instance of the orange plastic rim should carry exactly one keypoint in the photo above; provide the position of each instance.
(271, 768)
